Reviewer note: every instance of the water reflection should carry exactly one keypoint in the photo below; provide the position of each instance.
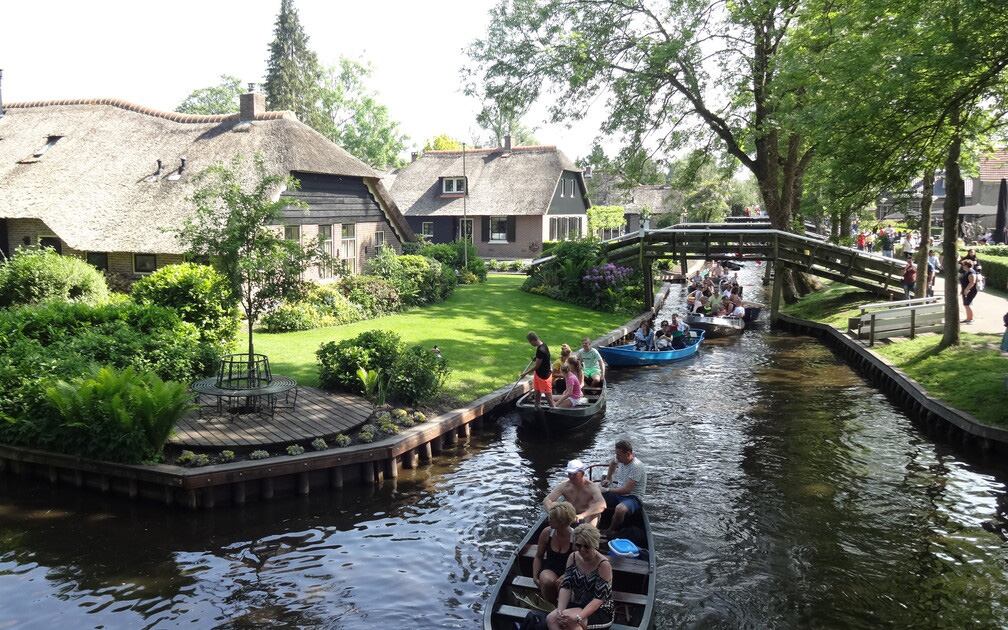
(784, 492)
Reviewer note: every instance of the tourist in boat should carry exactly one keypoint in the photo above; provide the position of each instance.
(592, 365)
(558, 376)
(623, 486)
(555, 545)
(735, 310)
(662, 342)
(693, 297)
(572, 396)
(678, 330)
(541, 370)
(644, 337)
(585, 599)
(585, 496)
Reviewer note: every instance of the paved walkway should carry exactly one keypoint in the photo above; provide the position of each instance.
(989, 308)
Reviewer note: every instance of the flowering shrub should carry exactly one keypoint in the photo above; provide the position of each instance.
(419, 416)
(342, 441)
(186, 458)
(294, 449)
(201, 460)
(610, 287)
(398, 414)
(367, 433)
(388, 427)
(226, 456)
(607, 276)
(319, 444)
(260, 454)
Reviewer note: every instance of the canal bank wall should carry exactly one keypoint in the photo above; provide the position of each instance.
(237, 483)
(932, 416)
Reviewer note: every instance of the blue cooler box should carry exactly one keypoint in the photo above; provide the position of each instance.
(623, 548)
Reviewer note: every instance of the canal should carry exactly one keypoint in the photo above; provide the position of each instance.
(784, 492)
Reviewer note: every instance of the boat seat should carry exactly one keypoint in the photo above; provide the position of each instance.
(618, 596)
(518, 613)
(626, 565)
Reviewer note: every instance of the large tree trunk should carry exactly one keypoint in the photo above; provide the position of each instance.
(950, 254)
(925, 232)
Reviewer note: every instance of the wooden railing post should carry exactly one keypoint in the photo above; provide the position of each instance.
(871, 331)
(913, 322)
(778, 288)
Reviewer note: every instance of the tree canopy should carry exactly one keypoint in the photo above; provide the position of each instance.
(216, 99)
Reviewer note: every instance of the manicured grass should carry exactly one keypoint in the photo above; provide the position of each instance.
(480, 330)
(970, 377)
(833, 305)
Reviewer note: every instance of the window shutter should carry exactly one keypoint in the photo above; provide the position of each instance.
(485, 222)
(511, 229)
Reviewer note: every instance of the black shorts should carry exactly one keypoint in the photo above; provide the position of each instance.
(968, 298)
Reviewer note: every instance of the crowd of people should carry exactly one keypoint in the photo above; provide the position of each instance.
(715, 291)
(561, 383)
(568, 567)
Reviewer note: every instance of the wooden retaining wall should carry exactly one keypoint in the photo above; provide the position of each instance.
(933, 417)
(237, 483)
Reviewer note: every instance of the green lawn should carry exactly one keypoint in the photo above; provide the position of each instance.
(832, 305)
(480, 329)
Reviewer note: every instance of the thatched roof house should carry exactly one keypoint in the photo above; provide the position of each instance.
(109, 180)
(650, 201)
(513, 198)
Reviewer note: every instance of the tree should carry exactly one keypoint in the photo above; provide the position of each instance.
(443, 142)
(293, 74)
(218, 99)
(235, 226)
(356, 121)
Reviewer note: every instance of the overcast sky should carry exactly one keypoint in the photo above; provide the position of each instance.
(155, 54)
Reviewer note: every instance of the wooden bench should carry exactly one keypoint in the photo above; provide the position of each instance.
(626, 565)
(618, 596)
(883, 320)
(518, 613)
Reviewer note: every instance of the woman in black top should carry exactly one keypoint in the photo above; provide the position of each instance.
(967, 281)
(556, 542)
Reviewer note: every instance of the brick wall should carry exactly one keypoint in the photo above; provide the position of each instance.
(528, 230)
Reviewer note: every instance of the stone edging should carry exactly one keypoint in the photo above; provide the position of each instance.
(933, 415)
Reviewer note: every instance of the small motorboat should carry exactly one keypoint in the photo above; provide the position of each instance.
(719, 326)
(560, 420)
(633, 581)
(626, 355)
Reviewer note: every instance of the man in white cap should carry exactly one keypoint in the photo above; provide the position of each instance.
(580, 492)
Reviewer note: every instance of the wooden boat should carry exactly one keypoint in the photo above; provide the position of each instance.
(752, 311)
(560, 420)
(626, 355)
(720, 326)
(633, 582)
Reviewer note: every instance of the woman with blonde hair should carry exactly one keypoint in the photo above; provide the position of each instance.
(556, 543)
(573, 378)
(585, 599)
(558, 376)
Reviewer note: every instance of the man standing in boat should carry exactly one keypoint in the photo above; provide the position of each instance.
(542, 370)
(624, 485)
(580, 492)
(594, 366)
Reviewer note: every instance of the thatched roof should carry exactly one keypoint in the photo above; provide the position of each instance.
(519, 181)
(96, 189)
(658, 198)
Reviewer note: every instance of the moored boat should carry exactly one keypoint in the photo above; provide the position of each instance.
(720, 326)
(626, 355)
(633, 581)
(560, 420)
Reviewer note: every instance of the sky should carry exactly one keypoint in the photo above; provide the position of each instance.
(155, 54)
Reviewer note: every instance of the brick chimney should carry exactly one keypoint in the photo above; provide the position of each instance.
(507, 142)
(252, 104)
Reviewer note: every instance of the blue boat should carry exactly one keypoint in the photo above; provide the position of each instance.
(621, 356)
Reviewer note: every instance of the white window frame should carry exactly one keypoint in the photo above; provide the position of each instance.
(327, 270)
(379, 240)
(153, 257)
(348, 247)
(427, 228)
(463, 223)
(498, 237)
(453, 185)
(561, 228)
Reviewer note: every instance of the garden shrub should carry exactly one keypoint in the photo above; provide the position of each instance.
(336, 308)
(121, 416)
(478, 268)
(468, 277)
(375, 296)
(370, 350)
(418, 375)
(290, 317)
(442, 252)
(200, 295)
(33, 276)
(412, 247)
(418, 279)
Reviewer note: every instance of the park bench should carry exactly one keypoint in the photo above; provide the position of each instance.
(902, 318)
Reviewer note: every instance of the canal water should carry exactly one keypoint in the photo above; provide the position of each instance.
(784, 492)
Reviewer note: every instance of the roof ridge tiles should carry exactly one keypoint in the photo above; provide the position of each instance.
(148, 111)
(491, 150)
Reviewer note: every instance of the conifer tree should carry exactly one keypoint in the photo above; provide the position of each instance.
(293, 72)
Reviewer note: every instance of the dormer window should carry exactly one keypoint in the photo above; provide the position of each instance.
(453, 185)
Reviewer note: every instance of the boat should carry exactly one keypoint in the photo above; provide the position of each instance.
(752, 311)
(633, 581)
(626, 355)
(720, 326)
(561, 420)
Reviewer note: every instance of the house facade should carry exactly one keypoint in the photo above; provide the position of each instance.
(507, 200)
(110, 181)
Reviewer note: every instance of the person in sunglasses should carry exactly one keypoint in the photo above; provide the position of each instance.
(585, 601)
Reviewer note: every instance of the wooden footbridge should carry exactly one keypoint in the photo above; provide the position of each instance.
(755, 241)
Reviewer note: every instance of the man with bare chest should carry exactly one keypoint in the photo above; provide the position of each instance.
(580, 492)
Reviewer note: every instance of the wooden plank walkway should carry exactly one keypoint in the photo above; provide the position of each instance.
(318, 414)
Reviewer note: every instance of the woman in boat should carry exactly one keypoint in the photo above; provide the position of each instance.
(644, 337)
(574, 380)
(585, 599)
(555, 545)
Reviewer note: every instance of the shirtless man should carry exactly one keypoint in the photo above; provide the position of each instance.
(585, 496)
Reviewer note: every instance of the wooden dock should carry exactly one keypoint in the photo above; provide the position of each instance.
(317, 414)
